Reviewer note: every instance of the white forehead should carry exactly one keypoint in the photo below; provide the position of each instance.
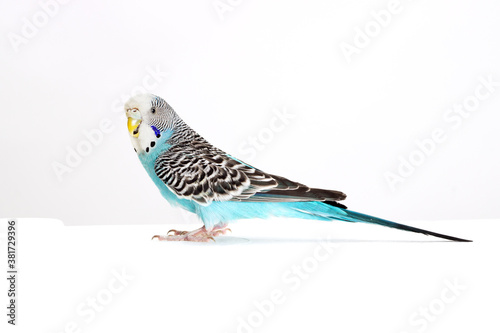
(141, 102)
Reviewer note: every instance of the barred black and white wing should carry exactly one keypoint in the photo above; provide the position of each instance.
(202, 173)
(197, 171)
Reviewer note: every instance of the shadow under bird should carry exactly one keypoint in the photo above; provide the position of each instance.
(219, 188)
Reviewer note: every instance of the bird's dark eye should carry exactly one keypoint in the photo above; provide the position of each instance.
(153, 110)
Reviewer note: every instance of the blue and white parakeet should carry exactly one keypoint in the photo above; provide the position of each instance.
(219, 188)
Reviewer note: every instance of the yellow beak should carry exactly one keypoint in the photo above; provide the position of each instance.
(133, 126)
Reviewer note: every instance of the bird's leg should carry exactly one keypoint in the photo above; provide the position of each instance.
(220, 229)
(199, 235)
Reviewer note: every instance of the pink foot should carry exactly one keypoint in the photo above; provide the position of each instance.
(198, 235)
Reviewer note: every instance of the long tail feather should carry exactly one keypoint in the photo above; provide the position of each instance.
(358, 217)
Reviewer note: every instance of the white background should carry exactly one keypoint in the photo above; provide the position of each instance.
(330, 277)
(225, 75)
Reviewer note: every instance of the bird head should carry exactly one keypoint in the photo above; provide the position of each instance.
(147, 117)
(146, 110)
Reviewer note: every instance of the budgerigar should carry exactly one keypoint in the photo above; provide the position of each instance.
(219, 188)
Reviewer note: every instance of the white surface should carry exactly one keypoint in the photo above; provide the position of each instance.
(225, 77)
(374, 279)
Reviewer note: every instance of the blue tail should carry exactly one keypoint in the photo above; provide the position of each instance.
(358, 217)
(324, 211)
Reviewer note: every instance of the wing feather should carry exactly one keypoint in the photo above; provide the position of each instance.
(198, 171)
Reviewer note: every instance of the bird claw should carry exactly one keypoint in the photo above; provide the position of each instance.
(199, 235)
(222, 231)
(176, 232)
